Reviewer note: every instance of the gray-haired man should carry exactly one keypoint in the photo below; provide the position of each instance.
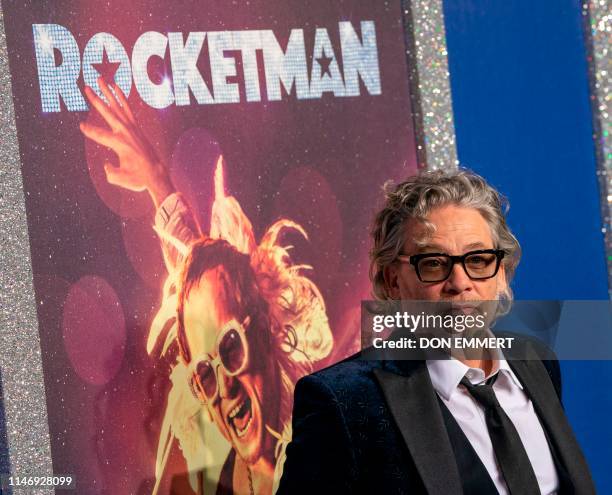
(436, 426)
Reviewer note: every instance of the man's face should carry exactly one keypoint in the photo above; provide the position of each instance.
(237, 406)
(457, 231)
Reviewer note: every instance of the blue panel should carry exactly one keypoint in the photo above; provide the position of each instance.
(523, 120)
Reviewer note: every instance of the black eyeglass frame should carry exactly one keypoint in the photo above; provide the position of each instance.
(415, 258)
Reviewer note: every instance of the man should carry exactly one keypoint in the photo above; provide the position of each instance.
(436, 426)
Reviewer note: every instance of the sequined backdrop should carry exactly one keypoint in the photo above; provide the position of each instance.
(23, 392)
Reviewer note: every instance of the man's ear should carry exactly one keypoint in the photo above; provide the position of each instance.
(391, 276)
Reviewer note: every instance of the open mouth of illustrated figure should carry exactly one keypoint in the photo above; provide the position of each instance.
(241, 417)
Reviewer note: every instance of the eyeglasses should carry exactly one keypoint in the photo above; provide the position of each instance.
(437, 267)
(232, 353)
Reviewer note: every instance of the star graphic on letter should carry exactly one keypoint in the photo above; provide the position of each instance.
(106, 68)
(324, 62)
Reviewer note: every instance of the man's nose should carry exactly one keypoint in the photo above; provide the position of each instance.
(458, 281)
(225, 383)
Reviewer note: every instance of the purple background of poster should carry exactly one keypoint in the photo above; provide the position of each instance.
(319, 162)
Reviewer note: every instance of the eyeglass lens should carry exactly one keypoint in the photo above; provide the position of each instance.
(438, 268)
(231, 354)
(231, 351)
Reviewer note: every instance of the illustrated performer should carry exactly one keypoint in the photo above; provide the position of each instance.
(246, 320)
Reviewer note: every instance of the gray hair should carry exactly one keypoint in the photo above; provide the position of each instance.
(416, 197)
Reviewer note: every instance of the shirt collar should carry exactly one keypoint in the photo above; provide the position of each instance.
(446, 374)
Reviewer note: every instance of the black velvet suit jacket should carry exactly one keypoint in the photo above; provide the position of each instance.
(375, 427)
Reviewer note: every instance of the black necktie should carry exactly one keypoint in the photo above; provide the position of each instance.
(509, 451)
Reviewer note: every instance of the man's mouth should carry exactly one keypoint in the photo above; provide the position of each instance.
(240, 417)
(464, 308)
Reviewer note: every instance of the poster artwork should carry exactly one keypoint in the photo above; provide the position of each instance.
(200, 181)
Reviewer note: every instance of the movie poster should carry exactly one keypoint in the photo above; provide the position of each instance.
(200, 178)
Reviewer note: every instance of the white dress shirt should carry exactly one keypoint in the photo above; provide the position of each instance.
(469, 414)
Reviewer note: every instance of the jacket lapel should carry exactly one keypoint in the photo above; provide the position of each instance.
(534, 377)
(414, 406)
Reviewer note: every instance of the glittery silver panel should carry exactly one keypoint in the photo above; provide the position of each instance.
(429, 84)
(598, 34)
(20, 360)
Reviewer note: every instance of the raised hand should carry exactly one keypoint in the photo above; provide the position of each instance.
(139, 167)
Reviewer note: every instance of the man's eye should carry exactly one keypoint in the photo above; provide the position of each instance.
(480, 260)
(432, 263)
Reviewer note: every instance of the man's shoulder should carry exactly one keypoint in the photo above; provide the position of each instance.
(529, 348)
(354, 373)
(351, 366)
(349, 385)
